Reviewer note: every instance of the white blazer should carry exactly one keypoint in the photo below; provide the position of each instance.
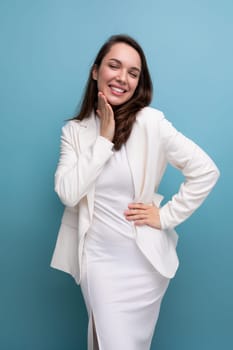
(153, 143)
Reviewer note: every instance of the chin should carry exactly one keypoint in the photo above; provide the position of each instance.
(115, 103)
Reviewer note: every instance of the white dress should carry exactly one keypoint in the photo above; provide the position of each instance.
(121, 288)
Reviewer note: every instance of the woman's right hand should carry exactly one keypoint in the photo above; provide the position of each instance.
(106, 115)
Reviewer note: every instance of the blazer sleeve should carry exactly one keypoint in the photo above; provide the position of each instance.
(199, 170)
(77, 171)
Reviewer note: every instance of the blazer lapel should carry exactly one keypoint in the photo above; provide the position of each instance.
(88, 132)
(136, 152)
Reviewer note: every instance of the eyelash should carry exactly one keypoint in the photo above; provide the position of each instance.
(113, 66)
(134, 75)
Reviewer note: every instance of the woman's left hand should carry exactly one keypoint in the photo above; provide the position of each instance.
(143, 214)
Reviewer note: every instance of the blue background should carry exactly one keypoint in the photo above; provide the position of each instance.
(47, 48)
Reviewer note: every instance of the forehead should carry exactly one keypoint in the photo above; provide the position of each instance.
(125, 54)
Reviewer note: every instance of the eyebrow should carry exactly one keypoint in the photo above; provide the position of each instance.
(119, 62)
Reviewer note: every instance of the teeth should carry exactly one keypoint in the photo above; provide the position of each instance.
(117, 89)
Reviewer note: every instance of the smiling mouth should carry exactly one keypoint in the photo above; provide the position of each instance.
(117, 89)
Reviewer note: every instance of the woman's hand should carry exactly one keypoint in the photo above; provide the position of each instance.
(106, 115)
(143, 214)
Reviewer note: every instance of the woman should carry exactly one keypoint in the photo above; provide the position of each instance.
(115, 239)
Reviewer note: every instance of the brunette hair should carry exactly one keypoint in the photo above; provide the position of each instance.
(124, 114)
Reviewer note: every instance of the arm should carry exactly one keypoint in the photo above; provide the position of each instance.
(77, 172)
(200, 174)
(199, 171)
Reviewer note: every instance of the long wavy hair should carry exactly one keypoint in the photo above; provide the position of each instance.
(124, 114)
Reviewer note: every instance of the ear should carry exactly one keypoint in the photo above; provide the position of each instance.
(95, 72)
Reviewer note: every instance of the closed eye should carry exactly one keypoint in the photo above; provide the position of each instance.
(134, 74)
(113, 66)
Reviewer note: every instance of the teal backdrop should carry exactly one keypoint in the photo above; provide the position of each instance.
(47, 48)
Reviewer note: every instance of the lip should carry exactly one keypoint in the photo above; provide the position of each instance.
(117, 90)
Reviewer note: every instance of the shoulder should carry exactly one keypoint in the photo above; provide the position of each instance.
(69, 129)
(154, 121)
(71, 125)
(151, 118)
(150, 115)
(74, 126)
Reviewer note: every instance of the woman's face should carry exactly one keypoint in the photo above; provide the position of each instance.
(118, 74)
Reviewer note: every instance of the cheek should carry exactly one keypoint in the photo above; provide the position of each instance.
(134, 85)
(101, 82)
(104, 74)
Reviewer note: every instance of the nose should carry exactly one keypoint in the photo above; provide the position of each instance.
(122, 76)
